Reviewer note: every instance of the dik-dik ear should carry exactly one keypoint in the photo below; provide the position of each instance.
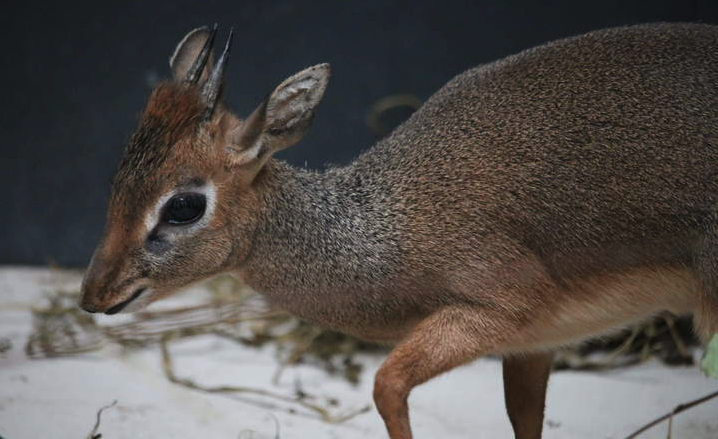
(192, 59)
(281, 120)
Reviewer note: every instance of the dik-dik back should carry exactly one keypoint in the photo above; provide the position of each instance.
(536, 201)
(571, 166)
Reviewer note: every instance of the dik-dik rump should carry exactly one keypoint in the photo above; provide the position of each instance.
(533, 202)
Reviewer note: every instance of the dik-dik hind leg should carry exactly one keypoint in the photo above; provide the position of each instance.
(706, 266)
(442, 341)
(525, 379)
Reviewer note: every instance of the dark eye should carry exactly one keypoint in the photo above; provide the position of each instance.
(184, 208)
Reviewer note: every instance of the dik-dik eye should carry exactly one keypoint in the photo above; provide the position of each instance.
(184, 208)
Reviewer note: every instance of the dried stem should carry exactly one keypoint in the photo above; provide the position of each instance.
(670, 322)
(679, 408)
(323, 413)
(93, 434)
(297, 352)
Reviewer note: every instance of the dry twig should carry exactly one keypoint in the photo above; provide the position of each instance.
(679, 408)
(94, 434)
(297, 352)
(323, 413)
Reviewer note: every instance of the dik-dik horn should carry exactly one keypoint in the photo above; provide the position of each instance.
(555, 195)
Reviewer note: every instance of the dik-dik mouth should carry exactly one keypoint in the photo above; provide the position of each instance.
(120, 306)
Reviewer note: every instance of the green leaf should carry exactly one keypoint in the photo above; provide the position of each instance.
(710, 359)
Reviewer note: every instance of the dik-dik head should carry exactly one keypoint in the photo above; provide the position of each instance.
(184, 203)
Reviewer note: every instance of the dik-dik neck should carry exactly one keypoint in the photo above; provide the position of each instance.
(319, 233)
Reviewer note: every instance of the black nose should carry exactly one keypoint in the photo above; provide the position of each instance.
(89, 306)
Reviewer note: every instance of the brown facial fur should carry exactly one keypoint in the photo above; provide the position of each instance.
(169, 149)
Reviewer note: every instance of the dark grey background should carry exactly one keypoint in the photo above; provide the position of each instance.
(76, 75)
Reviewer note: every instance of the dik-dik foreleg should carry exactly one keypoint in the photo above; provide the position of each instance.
(444, 340)
(525, 379)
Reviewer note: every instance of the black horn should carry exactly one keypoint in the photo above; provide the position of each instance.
(195, 72)
(213, 86)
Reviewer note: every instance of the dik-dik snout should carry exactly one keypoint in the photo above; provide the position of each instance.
(109, 286)
(184, 204)
(147, 254)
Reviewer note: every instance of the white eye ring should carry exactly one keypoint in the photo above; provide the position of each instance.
(154, 216)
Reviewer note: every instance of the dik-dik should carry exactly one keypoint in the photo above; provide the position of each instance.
(531, 203)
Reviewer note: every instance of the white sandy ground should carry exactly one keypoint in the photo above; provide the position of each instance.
(58, 398)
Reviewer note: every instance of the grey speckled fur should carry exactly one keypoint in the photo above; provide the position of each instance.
(594, 154)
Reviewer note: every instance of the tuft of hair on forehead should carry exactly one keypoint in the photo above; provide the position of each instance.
(173, 112)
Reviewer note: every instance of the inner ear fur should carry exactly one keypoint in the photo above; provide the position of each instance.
(281, 120)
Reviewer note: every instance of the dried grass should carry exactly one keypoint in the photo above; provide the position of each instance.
(237, 314)
(61, 329)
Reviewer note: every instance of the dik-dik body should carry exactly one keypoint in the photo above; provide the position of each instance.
(530, 203)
